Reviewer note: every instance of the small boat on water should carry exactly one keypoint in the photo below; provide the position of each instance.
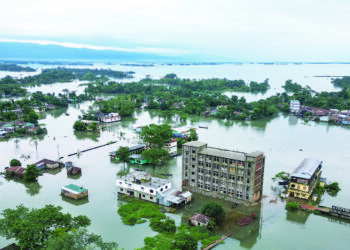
(167, 174)
(206, 127)
(247, 220)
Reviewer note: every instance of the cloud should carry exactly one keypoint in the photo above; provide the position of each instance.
(95, 47)
(244, 29)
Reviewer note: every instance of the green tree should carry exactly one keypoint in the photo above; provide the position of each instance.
(333, 188)
(32, 228)
(155, 156)
(33, 117)
(15, 163)
(156, 135)
(214, 210)
(123, 154)
(292, 206)
(79, 126)
(93, 126)
(193, 135)
(77, 240)
(31, 173)
(185, 241)
(284, 176)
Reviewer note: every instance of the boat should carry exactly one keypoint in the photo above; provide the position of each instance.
(247, 220)
(206, 127)
(167, 174)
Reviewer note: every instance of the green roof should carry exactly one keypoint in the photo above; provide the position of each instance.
(76, 188)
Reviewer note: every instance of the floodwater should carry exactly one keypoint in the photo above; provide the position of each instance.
(285, 140)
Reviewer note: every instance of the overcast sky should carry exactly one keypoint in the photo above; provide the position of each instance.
(239, 30)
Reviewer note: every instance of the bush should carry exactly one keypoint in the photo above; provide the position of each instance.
(167, 226)
(292, 206)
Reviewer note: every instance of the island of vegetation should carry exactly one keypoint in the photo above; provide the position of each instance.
(15, 68)
(169, 235)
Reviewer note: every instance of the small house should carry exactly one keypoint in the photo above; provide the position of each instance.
(72, 170)
(111, 117)
(199, 220)
(16, 171)
(3, 133)
(48, 164)
(74, 191)
(137, 159)
(171, 147)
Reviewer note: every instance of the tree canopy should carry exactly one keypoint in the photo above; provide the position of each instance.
(155, 155)
(156, 135)
(31, 173)
(15, 163)
(123, 154)
(33, 227)
(214, 210)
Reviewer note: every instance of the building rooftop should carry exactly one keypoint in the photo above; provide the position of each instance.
(306, 168)
(75, 188)
(46, 161)
(137, 147)
(195, 144)
(16, 169)
(136, 156)
(145, 179)
(224, 153)
(200, 218)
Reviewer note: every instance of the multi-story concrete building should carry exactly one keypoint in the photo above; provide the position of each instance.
(304, 178)
(221, 173)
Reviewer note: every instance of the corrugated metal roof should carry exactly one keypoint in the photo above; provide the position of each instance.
(195, 144)
(306, 168)
(223, 153)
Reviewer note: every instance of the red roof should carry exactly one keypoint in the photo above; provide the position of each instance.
(17, 169)
(201, 218)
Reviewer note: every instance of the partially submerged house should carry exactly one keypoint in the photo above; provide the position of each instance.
(199, 220)
(111, 117)
(74, 191)
(46, 163)
(137, 159)
(136, 149)
(304, 178)
(16, 171)
(142, 185)
(171, 147)
(72, 170)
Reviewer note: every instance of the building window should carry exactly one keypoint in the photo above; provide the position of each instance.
(166, 187)
(151, 197)
(193, 151)
(193, 173)
(151, 191)
(120, 182)
(143, 196)
(193, 166)
(121, 190)
(161, 189)
(193, 180)
(142, 188)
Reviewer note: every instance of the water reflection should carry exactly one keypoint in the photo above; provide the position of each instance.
(298, 216)
(87, 135)
(32, 188)
(74, 202)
